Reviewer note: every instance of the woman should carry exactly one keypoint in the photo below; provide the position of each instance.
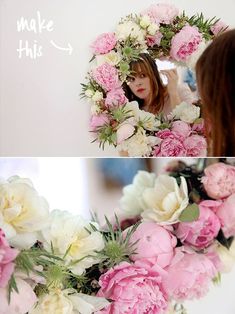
(146, 87)
(215, 71)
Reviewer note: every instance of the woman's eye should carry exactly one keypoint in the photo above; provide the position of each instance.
(142, 75)
(130, 79)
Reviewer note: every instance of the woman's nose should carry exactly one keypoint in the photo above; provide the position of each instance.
(138, 81)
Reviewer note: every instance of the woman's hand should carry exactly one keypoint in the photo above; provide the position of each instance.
(172, 86)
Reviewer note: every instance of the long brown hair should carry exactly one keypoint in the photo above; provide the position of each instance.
(215, 71)
(148, 66)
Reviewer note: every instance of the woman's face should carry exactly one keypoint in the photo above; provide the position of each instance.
(140, 86)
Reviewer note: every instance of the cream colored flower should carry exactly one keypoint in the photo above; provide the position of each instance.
(98, 96)
(89, 93)
(68, 231)
(152, 29)
(166, 200)
(139, 144)
(186, 112)
(145, 21)
(95, 109)
(132, 202)
(227, 256)
(22, 212)
(130, 29)
(113, 58)
(68, 302)
(148, 119)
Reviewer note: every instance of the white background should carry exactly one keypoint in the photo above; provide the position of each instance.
(41, 113)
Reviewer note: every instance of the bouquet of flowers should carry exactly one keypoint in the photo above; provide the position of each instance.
(162, 31)
(175, 239)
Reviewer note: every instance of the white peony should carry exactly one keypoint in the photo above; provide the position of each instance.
(68, 302)
(152, 29)
(227, 256)
(98, 96)
(95, 109)
(89, 93)
(139, 144)
(22, 212)
(147, 119)
(186, 112)
(166, 200)
(113, 58)
(130, 29)
(132, 202)
(68, 231)
(145, 21)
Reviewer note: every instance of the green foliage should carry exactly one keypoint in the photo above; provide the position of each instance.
(190, 213)
(117, 245)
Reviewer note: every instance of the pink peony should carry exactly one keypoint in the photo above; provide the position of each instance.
(219, 27)
(182, 128)
(202, 232)
(125, 131)
(154, 243)
(219, 180)
(189, 275)
(161, 13)
(107, 76)
(195, 146)
(171, 144)
(21, 302)
(226, 214)
(184, 43)
(104, 43)
(98, 121)
(199, 126)
(134, 288)
(154, 40)
(7, 256)
(115, 98)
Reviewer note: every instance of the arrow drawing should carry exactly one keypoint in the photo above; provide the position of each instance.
(69, 48)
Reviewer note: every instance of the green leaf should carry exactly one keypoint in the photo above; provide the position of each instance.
(190, 213)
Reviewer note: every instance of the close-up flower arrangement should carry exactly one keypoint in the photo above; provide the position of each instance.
(163, 32)
(174, 240)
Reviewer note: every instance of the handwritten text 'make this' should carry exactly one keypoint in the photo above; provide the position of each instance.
(36, 25)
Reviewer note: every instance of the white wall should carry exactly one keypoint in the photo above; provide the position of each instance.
(40, 110)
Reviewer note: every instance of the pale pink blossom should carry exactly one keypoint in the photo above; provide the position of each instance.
(116, 98)
(219, 180)
(106, 75)
(195, 146)
(154, 40)
(226, 214)
(155, 243)
(133, 288)
(184, 43)
(98, 120)
(125, 131)
(104, 43)
(189, 275)
(161, 13)
(182, 128)
(202, 232)
(21, 302)
(7, 257)
(219, 27)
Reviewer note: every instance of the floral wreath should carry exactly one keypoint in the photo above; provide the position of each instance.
(175, 239)
(162, 31)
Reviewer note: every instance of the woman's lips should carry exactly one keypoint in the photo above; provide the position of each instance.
(140, 90)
